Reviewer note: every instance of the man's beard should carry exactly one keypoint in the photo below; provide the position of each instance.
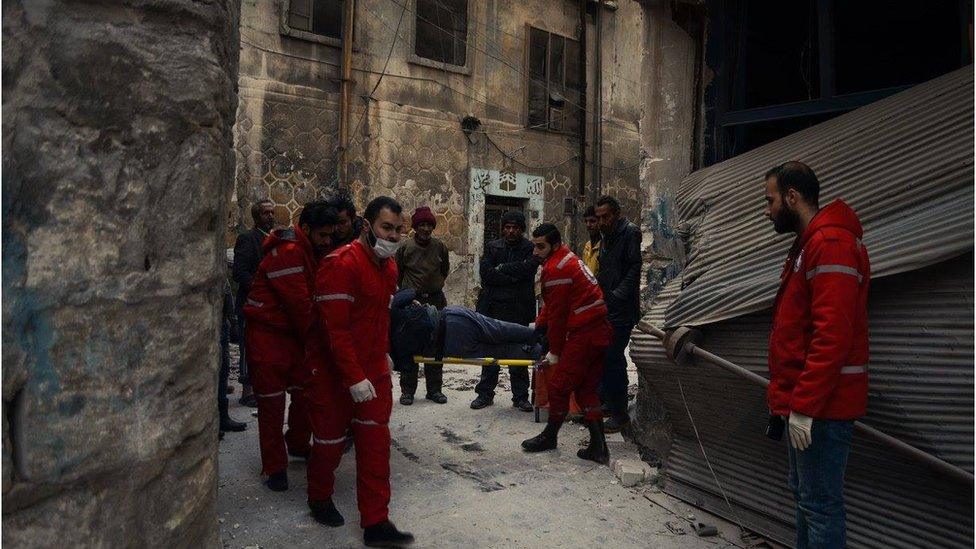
(787, 221)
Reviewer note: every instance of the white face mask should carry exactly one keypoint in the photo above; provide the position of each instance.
(383, 248)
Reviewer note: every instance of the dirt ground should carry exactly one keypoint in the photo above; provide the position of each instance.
(460, 479)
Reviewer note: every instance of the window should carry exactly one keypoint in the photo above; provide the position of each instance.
(316, 20)
(441, 31)
(554, 96)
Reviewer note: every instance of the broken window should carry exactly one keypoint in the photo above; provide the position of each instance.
(554, 98)
(321, 17)
(442, 31)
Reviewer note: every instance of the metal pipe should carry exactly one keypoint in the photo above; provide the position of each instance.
(942, 466)
(486, 361)
(582, 100)
(344, 102)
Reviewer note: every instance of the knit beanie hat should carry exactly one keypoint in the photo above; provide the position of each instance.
(514, 217)
(423, 215)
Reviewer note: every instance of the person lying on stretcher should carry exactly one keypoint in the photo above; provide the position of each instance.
(458, 332)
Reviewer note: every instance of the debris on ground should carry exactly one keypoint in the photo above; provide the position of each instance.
(704, 530)
(632, 472)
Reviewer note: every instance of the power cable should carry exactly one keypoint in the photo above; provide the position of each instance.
(396, 35)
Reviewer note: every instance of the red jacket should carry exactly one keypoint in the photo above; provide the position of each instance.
(818, 349)
(571, 296)
(281, 292)
(353, 295)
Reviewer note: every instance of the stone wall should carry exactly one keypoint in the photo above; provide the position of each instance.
(117, 169)
(406, 138)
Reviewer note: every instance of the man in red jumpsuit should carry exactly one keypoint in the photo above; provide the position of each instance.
(576, 319)
(279, 313)
(818, 349)
(349, 389)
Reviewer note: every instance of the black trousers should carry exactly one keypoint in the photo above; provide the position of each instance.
(224, 371)
(518, 375)
(433, 376)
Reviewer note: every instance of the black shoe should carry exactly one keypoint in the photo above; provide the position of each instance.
(406, 400)
(524, 405)
(325, 512)
(300, 454)
(481, 402)
(385, 534)
(278, 481)
(546, 440)
(228, 424)
(437, 397)
(615, 424)
(597, 449)
(250, 401)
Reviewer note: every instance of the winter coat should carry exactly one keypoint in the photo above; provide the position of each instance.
(818, 348)
(571, 298)
(619, 274)
(247, 256)
(508, 281)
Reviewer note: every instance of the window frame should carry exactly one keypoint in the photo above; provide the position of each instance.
(413, 58)
(526, 83)
(287, 30)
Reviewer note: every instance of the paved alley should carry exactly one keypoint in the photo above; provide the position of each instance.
(460, 479)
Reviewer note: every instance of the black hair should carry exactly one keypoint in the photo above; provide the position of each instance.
(318, 213)
(514, 216)
(380, 203)
(607, 200)
(256, 207)
(549, 231)
(343, 203)
(590, 211)
(796, 175)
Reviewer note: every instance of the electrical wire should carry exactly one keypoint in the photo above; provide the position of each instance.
(506, 63)
(396, 35)
(705, 455)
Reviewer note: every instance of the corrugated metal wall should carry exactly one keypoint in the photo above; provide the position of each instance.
(921, 392)
(904, 163)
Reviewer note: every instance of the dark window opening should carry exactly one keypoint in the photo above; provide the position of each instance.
(882, 46)
(780, 67)
(442, 31)
(495, 208)
(554, 97)
(322, 17)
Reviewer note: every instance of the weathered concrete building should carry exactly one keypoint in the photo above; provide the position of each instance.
(472, 108)
(117, 170)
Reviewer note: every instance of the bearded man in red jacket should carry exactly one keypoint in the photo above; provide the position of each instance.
(818, 349)
(279, 315)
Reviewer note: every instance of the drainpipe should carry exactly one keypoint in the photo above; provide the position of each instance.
(345, 91)
(582, 118)
(682, 345)
(597, 173)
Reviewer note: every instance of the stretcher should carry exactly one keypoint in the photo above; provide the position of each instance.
(540, 397)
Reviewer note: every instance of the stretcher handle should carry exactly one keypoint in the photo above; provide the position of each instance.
(485, 361)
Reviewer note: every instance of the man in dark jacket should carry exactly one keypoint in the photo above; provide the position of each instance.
(247, 256)
(619, 277)
(507, 293)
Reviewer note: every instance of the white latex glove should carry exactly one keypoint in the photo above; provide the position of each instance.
(801, 428)
(552, 359)
(362, 391)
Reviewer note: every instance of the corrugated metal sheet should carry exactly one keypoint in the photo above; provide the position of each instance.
(905, 163)
(921, 392)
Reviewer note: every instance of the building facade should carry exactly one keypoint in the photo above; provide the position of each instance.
(471, 108)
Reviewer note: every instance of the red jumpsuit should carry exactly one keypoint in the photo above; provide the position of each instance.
(279, 313)
(350, 344)
(576, 319)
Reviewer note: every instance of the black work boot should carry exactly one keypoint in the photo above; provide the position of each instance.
(385, 534)
(228, 424)
(616, 423)
(481, 402)
(523, 404)
(545, 440)
(437, 397)
(406, 399)
(278, 481)
(325, 512)
(597, 449)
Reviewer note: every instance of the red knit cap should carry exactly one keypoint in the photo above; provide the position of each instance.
(423, 215)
